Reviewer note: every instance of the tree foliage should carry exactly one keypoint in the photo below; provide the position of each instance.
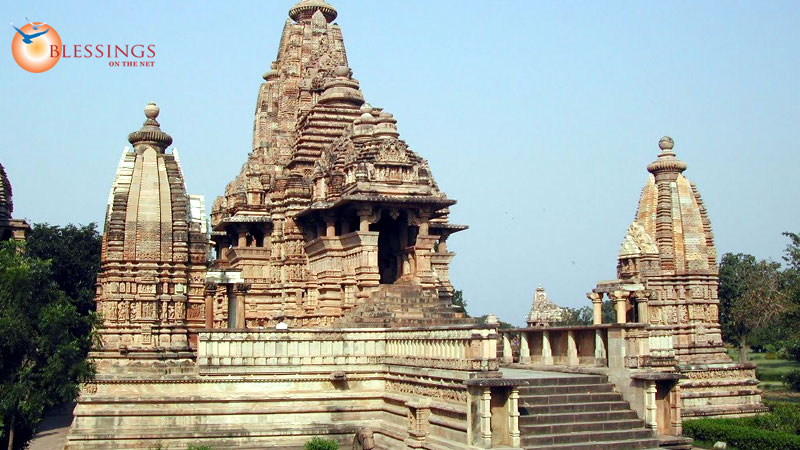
(75, 255)
(576, 316)
(44, 341)
(459, 303)
(752, 297)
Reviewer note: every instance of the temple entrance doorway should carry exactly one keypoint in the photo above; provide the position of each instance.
(392, 241)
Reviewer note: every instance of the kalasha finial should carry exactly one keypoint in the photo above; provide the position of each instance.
(151, 110)
(666, 143)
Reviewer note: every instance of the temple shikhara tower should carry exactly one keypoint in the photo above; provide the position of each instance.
(331, 204)
(154, 252)
(668, 277)
(543, 311)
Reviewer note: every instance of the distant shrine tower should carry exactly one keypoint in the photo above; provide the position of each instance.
(154, 253)
(668, 277)
(331, 208)
(544, 312)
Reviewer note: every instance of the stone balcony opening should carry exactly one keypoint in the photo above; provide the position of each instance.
(395, 236)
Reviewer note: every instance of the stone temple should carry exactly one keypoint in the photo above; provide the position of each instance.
(668, 278)
(543, 312)
(318, 302)
(16, 229)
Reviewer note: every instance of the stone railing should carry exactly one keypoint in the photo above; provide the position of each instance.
(562, 346)
(469, 348)
(634, 346)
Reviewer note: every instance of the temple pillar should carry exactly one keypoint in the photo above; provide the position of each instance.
(597, 307)
(547, 350)
(524, 348)
(650, 413)
(211, 290)
(600, 353)
(620, 298)
(364, 216)
(513, 414)
(424, 228)
(642, 308)
(508, 355)
(242, 243)
(486, 416)
(330, 226)
(572, 349)
(265, 243)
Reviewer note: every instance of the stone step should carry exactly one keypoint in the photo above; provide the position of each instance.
(588, 437)
(565, 381)
(595, 416)
(575, 408)
(629, 444)
(562, 428)
(569, 389)
(561, 399)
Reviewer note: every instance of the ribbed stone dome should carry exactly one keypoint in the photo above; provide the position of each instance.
(306, 8)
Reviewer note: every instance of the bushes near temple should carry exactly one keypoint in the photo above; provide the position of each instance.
(321, 444)
(792, 379)
(777, 430)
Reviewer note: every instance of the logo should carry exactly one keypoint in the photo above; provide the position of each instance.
(31, 46)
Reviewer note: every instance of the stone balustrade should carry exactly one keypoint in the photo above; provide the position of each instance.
(588, 346)
(458, 347)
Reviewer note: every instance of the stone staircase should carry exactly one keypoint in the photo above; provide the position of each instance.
(579, 412)
(402, 305)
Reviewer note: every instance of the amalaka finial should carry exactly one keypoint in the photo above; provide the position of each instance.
(305, 9)
(150, 133)
(666, 163)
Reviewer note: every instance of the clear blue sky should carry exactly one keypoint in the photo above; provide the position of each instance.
(539, 118)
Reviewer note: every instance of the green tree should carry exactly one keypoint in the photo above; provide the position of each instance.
(43, 344)
(576, 316)
(75, 255)
(791, 280)
(459, 303)
(751, 298)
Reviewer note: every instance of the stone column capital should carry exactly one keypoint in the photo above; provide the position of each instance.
(619, 294)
